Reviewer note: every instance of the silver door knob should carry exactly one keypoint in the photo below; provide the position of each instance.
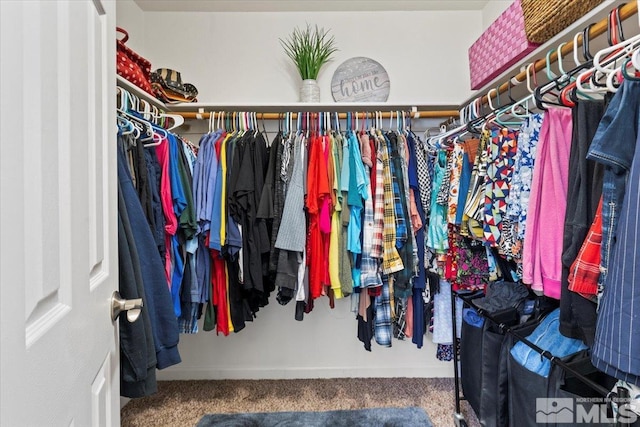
(131, 306)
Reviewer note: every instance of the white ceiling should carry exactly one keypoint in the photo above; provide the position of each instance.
(305, 5)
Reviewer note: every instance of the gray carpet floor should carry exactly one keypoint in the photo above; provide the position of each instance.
(183, 403)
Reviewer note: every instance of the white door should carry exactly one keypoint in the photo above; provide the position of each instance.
(58, 231)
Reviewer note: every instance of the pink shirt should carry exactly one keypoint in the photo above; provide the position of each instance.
(166, 197)
(542, 249)
(166, 200)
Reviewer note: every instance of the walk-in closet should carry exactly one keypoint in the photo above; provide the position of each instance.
(319, 213)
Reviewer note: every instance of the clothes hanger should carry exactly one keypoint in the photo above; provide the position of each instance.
(614, 80)
(475, 119)
(620, 48)
(615, 51)
(176, 119)
(145, 127)
(605, 58)
(151, 132)
(566, 81)
(159, 135)
(145, 110)
(126, 127)
(514, 108)
(522, 105)
(604, 62)
(285, 125)
(548, 71)
(545, 94)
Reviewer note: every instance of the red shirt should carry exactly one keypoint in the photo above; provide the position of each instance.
(585, 270)
(318, 203)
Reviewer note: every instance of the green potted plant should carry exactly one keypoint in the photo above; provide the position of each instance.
(309, 49)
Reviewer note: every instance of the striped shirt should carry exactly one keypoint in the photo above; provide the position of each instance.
(616, 349)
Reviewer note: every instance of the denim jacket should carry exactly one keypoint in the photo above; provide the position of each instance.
(613, 145)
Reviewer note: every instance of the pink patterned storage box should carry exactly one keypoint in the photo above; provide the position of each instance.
(502, 45)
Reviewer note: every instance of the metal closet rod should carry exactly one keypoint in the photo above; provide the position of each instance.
(360, 114)
(626, 11)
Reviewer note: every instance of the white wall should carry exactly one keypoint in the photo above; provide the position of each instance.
(131, 18)
(236, 57)
(493, 10)
(323, 345)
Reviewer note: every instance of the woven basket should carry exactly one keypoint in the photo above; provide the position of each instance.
(544, 19)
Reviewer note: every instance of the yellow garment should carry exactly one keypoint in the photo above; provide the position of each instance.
(336, 225)
(334, 255)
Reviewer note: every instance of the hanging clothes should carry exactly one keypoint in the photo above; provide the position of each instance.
(292, 238)
(437, 232)
(615, 145)
(577, 314)
(519, 194)
(541, 255)
(319, 205)
(143, 267)
(501, 151)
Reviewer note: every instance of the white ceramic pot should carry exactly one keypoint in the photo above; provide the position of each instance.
(309, 91)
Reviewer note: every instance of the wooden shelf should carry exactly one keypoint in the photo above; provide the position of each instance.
(201, 110)
(312, 106)
(135, 90)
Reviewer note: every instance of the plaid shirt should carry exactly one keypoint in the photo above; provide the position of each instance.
(404, 152)
(585, 270)
(382, 322)
(391, 261)
(378, 213)
(401, 225)
(369, 275)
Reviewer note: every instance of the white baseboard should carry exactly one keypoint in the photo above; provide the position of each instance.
(123, 401)
(445, 370)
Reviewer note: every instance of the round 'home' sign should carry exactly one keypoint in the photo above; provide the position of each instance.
(360, 79)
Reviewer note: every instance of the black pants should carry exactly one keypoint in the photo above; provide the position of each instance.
(577, 314)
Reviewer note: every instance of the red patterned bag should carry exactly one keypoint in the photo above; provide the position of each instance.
(132, 66)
